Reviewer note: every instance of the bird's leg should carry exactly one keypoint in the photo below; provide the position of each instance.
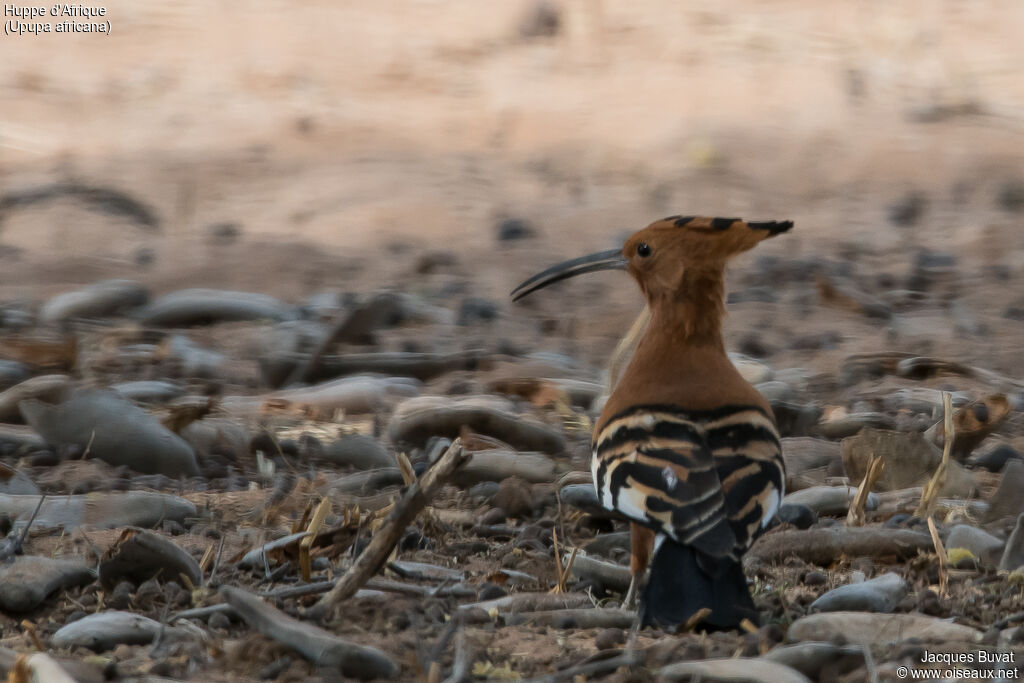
(641, 542)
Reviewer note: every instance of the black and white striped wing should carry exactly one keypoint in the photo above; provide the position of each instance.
(748, 457)
(655, 467)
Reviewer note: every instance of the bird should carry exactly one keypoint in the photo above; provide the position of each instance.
(685, 447)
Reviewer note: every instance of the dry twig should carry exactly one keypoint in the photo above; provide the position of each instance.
(386, 538)
(931, 489)
(855, 517)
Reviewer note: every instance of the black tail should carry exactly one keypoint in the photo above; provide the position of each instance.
(681, 584)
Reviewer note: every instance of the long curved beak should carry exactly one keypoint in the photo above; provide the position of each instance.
(602, 260)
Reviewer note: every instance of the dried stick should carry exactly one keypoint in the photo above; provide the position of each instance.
(315, 644)
(931, 489)
(404, 511)
(855, 517)
(940, 550)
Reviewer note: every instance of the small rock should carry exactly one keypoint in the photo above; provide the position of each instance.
(512, 229)
(219, 621)
(15, 482)
(514, 497)
(120, 597)
(476, 309)
(829, 500)
(490, 591)
(815, 577)
(541, 20)
(774, 390)
(224, 233)
(27, 580)
(609, 638)
(749, 670)
(880, 594)
(12, 372)
(1013, 554)
(1010, 196)
(983, 545)
(753, 345)
(139, 555)
(797, 515)
(819, 661)
(995, 459)
(879, 629)
(908, 209)
(105, 630)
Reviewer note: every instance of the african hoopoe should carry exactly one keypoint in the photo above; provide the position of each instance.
(685, 447)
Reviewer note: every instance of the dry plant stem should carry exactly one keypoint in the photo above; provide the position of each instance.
(855, 517)
(306, 544)
(386, 538)
(931, 489)
(622, 349)
(940, 550)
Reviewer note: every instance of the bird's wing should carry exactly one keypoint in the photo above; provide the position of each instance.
(654, 465)
(748, 458)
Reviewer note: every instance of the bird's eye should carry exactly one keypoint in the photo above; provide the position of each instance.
(643, 250)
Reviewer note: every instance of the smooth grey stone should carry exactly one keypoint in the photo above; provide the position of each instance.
(106, 630)
(829, 500)
(27, 580)
(114, 430)
(149, 391)
(879, 629)
(12, 372)
(983, 545)
(205, 306)
(748, 670)
(16, 482)
(194, 360)
(99, 300)
(880, 594)
(1013, 553)
(810, 658)
(774, 390)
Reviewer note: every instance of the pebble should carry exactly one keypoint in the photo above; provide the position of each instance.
(815, 578)
(477, 310)
(490, 591)
(139, 555)
(16, 482)
(814, 660)
(1013, 553)
(995, 459)
(880, 594)
(1007, 501)
(749, 670)
(879, 629)
(514, 229)
(12, 372)
(514, 497)
(27, 580)
(102, 299)
(120, 597)
(797, 515)
(774, 390)
(610, 638)
(907, 210)
(105, 630)
(115, 430)
(983, 545)
(829, 500)
(219, 621)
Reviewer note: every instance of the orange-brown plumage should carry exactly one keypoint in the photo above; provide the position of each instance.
(685, 447)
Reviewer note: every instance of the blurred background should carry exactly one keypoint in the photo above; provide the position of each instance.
(453, 148)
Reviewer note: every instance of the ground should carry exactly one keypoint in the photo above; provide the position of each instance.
(355, 147)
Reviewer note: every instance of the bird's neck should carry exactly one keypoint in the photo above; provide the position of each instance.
(692, 315)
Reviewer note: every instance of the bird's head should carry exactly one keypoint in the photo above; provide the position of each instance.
(661, 255)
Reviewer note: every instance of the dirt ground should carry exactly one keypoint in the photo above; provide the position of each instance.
(297, 148)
